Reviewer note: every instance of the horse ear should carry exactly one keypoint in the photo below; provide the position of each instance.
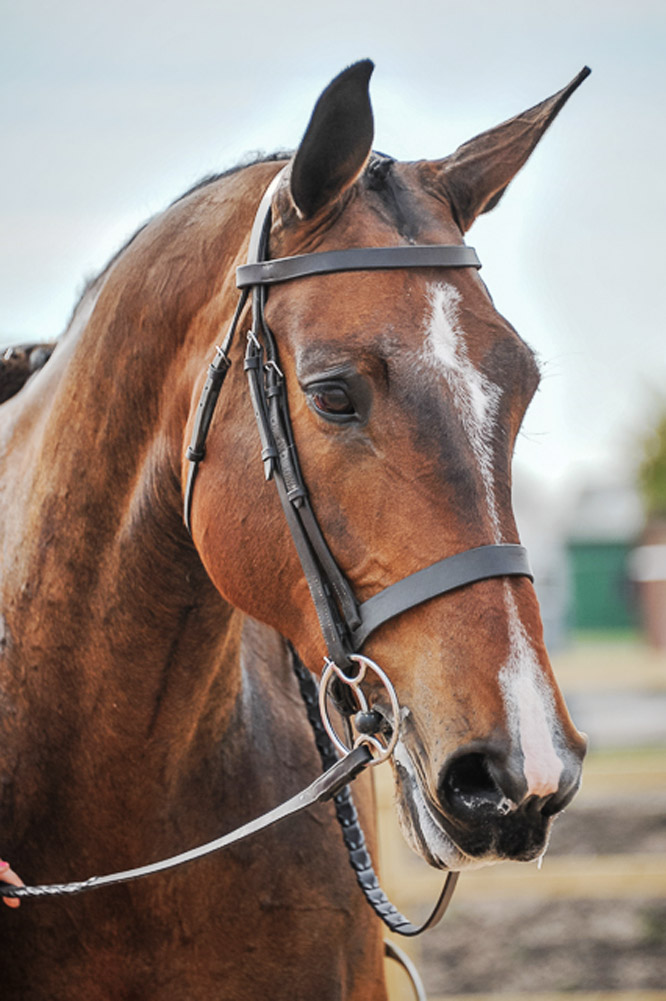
(476, 176)
(337, 141)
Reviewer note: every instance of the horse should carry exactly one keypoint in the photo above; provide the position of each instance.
(18, 363)
(147, 696)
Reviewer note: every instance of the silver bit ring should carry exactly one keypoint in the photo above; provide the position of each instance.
(381, 750)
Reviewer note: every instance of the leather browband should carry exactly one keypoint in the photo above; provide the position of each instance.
(284, 269)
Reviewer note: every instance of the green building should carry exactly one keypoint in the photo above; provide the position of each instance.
(605, 526)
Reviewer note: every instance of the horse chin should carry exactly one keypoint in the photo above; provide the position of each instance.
(429, 832)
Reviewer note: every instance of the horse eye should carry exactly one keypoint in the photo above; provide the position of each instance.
(332, 401)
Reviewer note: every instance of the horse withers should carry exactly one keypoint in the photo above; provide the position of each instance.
(147, 701)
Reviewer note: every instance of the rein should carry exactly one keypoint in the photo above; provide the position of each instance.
(352, 832)
(323, 788)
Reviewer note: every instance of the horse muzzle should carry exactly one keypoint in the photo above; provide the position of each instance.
(485, 804)
(480, 811)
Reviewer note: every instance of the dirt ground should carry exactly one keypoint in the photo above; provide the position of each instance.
(556, 946)
(560, 945)
(597, 924)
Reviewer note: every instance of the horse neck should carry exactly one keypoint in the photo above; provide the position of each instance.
(147, 635)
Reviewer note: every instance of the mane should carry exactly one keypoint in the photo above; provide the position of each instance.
(19, 362)
(377, 171)
(249, 160)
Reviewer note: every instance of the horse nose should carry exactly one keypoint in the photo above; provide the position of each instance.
(491, 781)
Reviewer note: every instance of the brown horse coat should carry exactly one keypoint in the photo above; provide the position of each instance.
(146, 696)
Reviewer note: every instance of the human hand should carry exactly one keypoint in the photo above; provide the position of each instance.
(7, 875)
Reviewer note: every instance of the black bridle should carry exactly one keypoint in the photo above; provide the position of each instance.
(344, 622)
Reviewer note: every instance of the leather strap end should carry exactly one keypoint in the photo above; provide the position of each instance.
(341, 774)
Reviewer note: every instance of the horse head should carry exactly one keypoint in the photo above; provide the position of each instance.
(406, 392)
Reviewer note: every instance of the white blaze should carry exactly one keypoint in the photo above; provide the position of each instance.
(528, 700)
(529, 707)
(475, 397)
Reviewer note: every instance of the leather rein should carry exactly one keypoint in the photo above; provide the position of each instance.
(345, 623)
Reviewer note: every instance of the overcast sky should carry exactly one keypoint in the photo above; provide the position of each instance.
(109, 111)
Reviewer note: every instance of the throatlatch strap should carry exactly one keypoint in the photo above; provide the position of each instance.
(217, 372)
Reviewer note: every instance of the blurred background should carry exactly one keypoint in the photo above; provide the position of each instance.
(109, 111)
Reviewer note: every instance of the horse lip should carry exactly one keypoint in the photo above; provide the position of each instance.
(492, 836)
(418, 812)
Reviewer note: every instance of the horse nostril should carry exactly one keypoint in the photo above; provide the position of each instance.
(478, 782)
(468, 784)
(568, 787)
